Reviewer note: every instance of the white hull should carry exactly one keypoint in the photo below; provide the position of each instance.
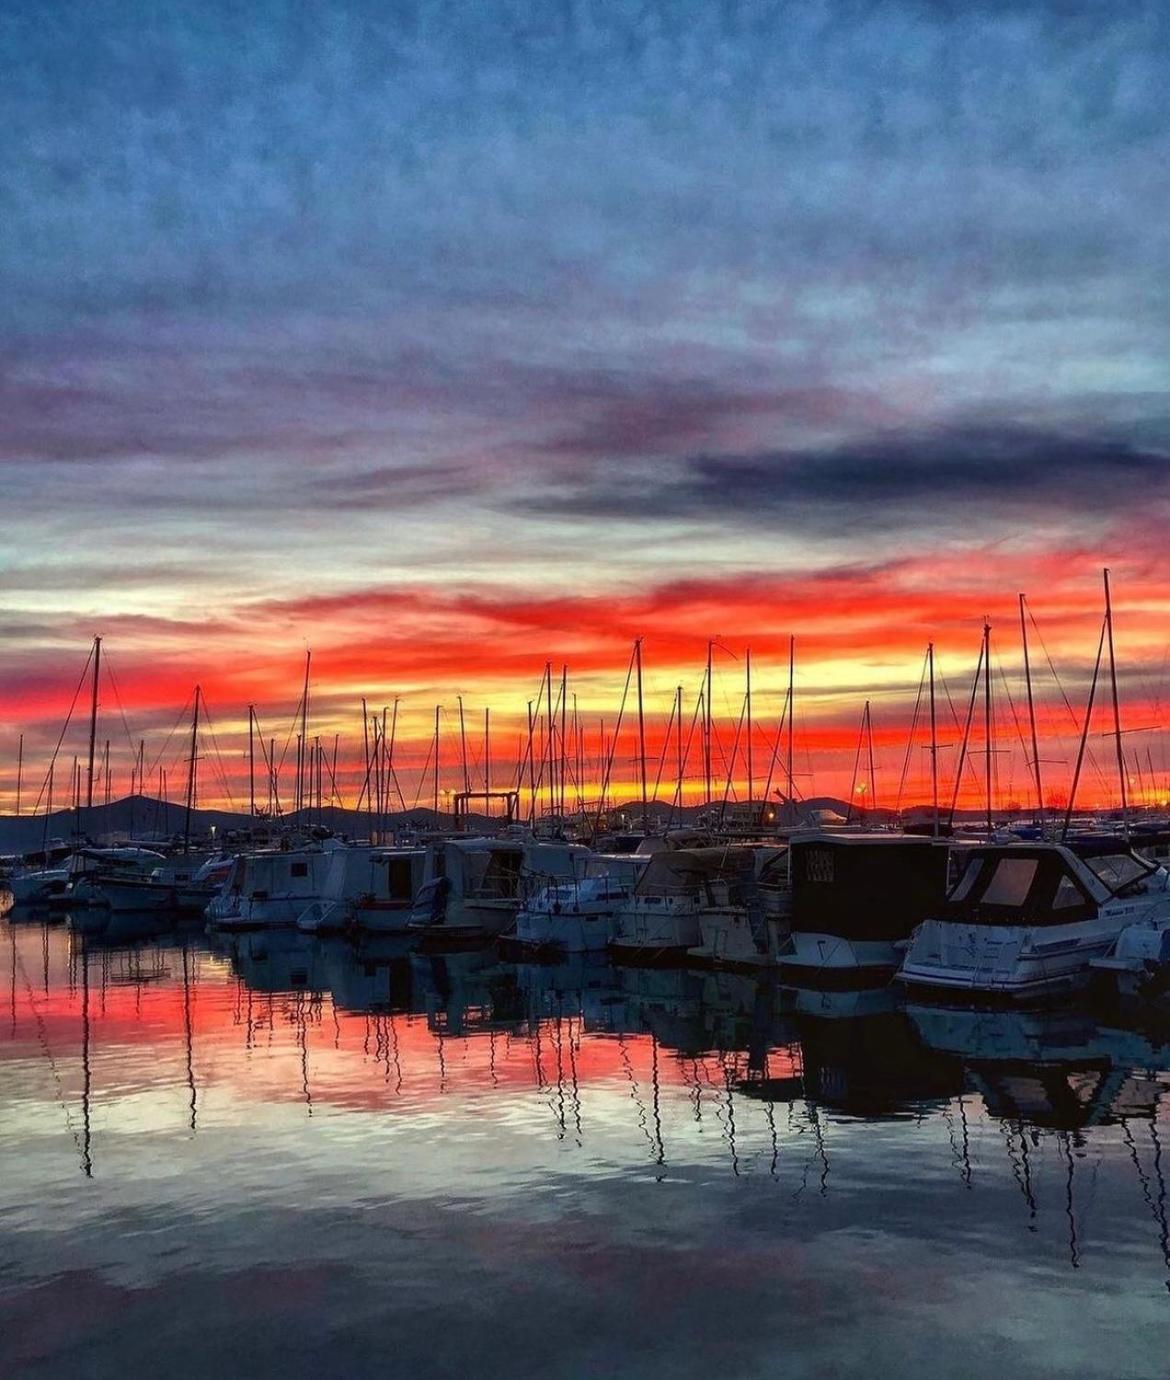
(832, 953)
(568, 933)
(275, 912)
(728, 938)
(655, 926)
(1008, 960)
(36, 888)
(382, 917)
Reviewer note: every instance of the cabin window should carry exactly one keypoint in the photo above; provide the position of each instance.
(1011, 882)
(299, 870)
(1067, 894)
(967, 880)
(1117, 869)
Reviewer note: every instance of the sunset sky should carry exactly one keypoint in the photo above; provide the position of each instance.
(449, 339)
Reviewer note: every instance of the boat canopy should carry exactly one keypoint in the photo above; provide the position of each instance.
(1038, 884)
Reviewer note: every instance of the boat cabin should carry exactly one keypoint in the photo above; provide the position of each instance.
(1044, 884)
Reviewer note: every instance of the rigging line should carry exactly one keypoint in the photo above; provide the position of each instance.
(665, 745)
(422, 776)
(183, 715)
(677, 799)
(118, 700)
(776, 747)
(223, 780)
(616, 733)
(64, 730)
(1067, 703)
(967, 758)
(910, 740)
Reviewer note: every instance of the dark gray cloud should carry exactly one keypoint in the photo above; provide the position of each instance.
(950, 478)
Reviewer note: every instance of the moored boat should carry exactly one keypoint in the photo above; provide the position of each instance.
(1026, 919)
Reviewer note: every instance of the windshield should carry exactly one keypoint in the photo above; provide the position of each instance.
(1117, 870)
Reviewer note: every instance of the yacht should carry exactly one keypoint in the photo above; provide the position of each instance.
(272, 888)
(746, 924)
(474, 887)
(183, 884)
(1029, 918)
(855, 900)
(371, 888)
(579, 915)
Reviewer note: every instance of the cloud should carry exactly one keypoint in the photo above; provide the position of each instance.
(947, 480)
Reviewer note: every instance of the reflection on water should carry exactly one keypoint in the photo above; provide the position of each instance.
(282, 1155)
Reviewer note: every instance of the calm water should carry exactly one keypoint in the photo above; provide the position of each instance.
(288, 1157)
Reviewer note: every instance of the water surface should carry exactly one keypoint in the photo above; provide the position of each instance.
(291, 1157)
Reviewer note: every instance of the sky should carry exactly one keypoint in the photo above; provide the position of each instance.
(448, 340)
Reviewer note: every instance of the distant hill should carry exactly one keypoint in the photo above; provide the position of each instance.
(145, 817)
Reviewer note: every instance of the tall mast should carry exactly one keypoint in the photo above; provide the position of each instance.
(437, 708)
(750, 772)
(707, 726)
(933, 740)
(641, 737)
(549, 730)
(678, 743)
(987, 717)
(487, 754)
(463, 747)
(252, 760)
(791, 719)
(191, 770)
(19, 772)
(391, 774)
(93, 709)
(1032, 717)
(48, 807)
(1116, 709)
(304, 730)
(564, 764)
(872, 777)
(531, 770)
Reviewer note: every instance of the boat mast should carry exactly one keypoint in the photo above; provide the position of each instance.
(191, 770)
(564, 767)
(252, 760)
(487, 755)
(548, 761)
(1032, 718)
(19, 772)
(707, 725)
(678, 743)
(748, 697)
(641, 737)
(869, 740)
(1116, 709)
(93, 709)
(933, 739)
(304, 734)
(463, 747)
(987, 716)
(791, 719)
(437, 708)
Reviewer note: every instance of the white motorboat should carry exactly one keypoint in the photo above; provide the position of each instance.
(1031, 918)
(474, 886)
(580, 915)
(371, 888)
(273, 888)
